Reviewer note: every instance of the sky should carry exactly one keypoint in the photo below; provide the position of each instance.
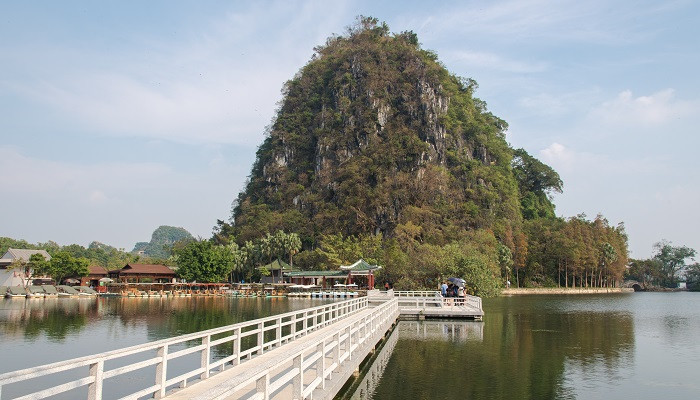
(118, 117)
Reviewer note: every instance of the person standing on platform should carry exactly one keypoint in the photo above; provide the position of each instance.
(443, 289)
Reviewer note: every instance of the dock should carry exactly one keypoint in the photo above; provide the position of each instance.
(305, 354)
(430, 304)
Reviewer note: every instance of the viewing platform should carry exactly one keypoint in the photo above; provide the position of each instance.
(430, 304)
(310, 353)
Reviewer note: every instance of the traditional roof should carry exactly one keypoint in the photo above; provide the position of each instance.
(24, 254)
(97, 270)
(309, 274)
(277, 265)
(359, 265)
(146, 269)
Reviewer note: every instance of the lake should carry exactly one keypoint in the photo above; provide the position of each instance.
(636, 345)
(622, 346)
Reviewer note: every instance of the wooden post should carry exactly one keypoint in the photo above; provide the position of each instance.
(95, 388)
(161, 371)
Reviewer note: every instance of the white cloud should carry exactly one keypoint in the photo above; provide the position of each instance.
(116, 203)
(495, 61)
(543, 20)
(219, 85)
(558, 156)
(656, 109)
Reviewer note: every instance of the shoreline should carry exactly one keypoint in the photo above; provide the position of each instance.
(538, 291)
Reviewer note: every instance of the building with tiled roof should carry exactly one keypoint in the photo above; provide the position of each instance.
(142, 273)
(17, 276)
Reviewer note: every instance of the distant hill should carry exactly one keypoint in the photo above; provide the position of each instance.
(162, 241)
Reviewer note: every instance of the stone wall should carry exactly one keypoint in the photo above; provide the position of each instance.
(520, 291)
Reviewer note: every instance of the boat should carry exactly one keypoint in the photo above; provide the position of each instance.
(66, 291)
(16, 292)
(50, 291)
(35, 292)
(85, 291)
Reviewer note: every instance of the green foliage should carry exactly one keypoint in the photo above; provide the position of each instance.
(575, 252)
(647, 272)
(536, 181)
(692, 277)
(203, 261)
(671, 260)
(666, 268)
(339, 250)
(9, 243)
(63, 265)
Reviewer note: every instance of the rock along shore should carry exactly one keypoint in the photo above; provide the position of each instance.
(523, 291)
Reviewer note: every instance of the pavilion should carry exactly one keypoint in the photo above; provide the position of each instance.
(360, 272)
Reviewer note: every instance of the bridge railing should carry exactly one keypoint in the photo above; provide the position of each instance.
(312, 366)
(416, 293)
(425, 298)
(242, 340)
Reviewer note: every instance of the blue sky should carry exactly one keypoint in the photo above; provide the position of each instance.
(117, 117)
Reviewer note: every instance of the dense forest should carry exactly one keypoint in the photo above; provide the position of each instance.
(377, 151)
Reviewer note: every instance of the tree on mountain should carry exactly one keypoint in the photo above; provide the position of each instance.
(536, 181)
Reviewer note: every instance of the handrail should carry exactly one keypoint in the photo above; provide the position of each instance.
(416, 293)
(432, 297)
(295, 323)
(325, 355)
(443, 302)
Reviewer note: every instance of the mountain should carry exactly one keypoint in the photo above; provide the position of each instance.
(377, 151)
(374, 135)
(162, 241)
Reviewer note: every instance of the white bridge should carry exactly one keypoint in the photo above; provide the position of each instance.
(306, 354)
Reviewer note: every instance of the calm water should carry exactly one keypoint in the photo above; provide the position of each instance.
(628, 346)
(40, 331)
(638, 345)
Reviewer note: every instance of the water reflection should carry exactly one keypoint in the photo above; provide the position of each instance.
(454, 331)
(53, 318)
(525, 348)
(162, 317)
